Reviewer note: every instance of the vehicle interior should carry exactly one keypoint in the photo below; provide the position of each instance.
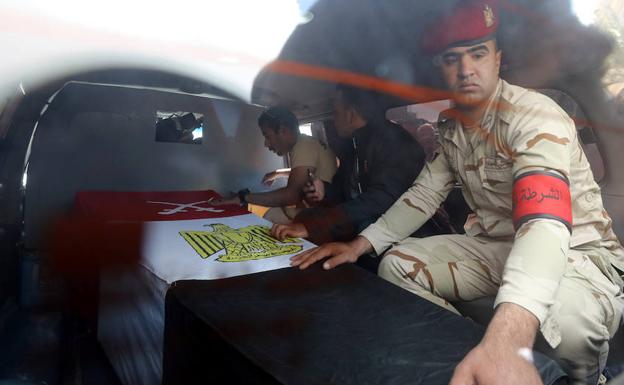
(106, 129)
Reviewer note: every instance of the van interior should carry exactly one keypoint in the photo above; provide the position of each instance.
(143, 129)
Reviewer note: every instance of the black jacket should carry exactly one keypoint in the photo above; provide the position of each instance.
(389, 161)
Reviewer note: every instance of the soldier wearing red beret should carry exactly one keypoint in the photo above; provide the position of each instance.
(538, 239)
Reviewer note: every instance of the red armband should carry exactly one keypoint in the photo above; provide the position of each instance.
(540, 194)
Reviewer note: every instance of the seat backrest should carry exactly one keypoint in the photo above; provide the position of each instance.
(585, 132)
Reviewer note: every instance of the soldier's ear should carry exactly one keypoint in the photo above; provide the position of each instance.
(281, 129)
(353, 114)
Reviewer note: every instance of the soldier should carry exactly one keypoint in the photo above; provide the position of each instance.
(306, 154)
(539, 238)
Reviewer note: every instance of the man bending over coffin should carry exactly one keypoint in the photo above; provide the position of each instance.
(381, 163)
(280, 129)
(539, 239)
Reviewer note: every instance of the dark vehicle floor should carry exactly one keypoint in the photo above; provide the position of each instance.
(41, 347)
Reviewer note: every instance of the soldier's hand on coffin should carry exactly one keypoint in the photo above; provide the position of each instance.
(338, 253)
(292, 230)
(272, 176)
(231, 200)
(314, 192)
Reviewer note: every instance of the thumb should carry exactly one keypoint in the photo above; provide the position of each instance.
(462, 376)
(285, 233)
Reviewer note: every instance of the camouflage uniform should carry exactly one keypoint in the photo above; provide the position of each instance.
(568, 281)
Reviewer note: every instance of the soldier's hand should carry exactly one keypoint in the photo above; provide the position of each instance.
(232, 200)
(485, 365)
(269, 178)
(292, 230)
(314, 191)
(338, 252)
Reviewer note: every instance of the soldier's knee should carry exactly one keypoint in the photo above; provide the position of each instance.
(389, 268)
(583, 349)
(581, 339)
(402, 272)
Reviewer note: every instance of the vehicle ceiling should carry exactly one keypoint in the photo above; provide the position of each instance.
(544, 46)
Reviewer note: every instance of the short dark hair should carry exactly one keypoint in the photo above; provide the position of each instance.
(365, 103)
(277, 116)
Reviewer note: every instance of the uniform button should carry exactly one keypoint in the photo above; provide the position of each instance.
(589, 197)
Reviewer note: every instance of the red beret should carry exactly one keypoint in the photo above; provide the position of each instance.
(470, 21)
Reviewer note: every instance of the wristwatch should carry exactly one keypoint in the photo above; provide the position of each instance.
(242, 196)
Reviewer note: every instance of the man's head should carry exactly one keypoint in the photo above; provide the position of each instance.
(471, 72)
(280, 128)
(464, 46)
(353, 109)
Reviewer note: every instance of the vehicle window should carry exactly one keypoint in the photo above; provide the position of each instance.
(608, 17)
(306, 129)
(179, 127)
(420, 120)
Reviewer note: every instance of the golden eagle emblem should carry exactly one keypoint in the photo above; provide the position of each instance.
(243, 244)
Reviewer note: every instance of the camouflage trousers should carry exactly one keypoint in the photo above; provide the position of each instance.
(451, 268)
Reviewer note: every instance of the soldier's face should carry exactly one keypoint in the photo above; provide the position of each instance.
(471, 73)
(274, 140)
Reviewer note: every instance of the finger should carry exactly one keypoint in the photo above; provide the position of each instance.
(279, 232)
(310, 257)
(285, 232)
(336, 261)
(462, 377)
(301, 256)
(274, 230)
(314, 257)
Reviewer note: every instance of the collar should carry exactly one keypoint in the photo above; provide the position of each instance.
(497, 107)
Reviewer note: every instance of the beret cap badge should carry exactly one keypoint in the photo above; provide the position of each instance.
(488, 16)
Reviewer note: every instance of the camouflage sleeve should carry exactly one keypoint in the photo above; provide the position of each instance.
(414, 207)
(535, 265)
(541, 140)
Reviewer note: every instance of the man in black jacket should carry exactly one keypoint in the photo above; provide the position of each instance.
(380, 163)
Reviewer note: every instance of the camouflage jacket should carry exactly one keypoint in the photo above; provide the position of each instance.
(521, 131)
